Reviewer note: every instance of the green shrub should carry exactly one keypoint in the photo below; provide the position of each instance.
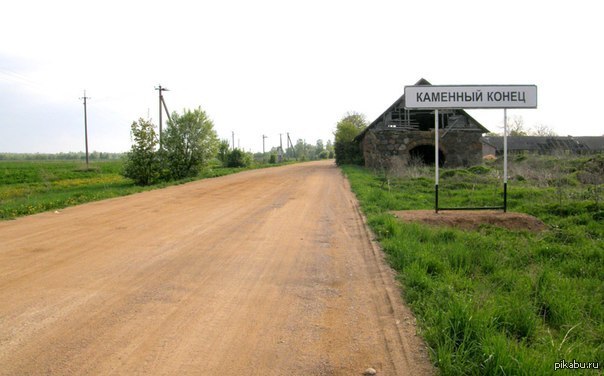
(479, 170)
(239, 158)
(142, 164)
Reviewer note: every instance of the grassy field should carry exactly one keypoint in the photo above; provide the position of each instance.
(495, 301)
(29, 187)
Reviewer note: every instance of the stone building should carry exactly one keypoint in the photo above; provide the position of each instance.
(399, 136)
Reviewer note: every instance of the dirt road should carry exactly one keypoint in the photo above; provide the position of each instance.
(267, 272)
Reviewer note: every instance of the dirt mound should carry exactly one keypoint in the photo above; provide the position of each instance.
(470, 220)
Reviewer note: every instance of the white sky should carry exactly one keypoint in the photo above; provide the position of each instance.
(269, 67)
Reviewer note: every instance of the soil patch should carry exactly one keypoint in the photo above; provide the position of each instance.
(470, 220)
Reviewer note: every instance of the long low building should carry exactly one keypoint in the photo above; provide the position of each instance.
(493, 145)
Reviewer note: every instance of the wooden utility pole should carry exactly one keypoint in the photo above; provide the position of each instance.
(85, 126)
(161, 102)
(280, 148)
(291, 144)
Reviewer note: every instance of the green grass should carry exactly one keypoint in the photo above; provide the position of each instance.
(495, 301)
(29, 187)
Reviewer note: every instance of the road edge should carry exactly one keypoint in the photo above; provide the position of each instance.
(407, 350)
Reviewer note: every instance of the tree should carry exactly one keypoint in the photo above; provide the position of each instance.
(543, 130)
(516, 127)
(301, 150)
(189, 142)
(223, 151)
(239, 158)
(330, 149)
(142, 163)
(346, 149)
(319, 146)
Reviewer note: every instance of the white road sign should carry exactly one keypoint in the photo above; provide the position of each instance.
(470, 96)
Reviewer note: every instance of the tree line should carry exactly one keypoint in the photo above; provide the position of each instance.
(300, 151)
(189, 143)
(516, 127)
(70, 156)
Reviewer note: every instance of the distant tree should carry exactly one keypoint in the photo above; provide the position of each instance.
(330, 149)
(189, 142)
(301, 150)
(223, 151)
(543, 130)
(239, 158)
(319, 146)
(347, 150)
(142, 163)
(516, 127)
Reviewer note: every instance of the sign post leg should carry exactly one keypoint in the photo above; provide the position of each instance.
(436, 161)
(505, 160)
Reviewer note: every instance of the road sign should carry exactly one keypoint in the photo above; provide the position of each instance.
(437, 97)
(470, 96)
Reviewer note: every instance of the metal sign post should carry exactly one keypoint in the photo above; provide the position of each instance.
(505, 160)
(436, 159)
(459, 97)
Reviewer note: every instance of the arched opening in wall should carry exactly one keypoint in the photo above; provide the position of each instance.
(425, 154)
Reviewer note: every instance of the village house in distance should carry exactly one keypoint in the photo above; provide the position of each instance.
(399, 136)
(549, 145)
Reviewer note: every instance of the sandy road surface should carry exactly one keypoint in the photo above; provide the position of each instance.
(267, 272)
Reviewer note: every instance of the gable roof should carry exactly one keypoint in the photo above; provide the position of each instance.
(399, 103)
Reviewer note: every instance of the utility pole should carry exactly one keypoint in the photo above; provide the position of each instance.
(161, 101)
(233, 135)
(291, 144)
(280, 148)
(85, 126)
(263, 138)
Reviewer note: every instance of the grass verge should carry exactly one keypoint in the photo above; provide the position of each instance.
(29, 187)
(495, 301)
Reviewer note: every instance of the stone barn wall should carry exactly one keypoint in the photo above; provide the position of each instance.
(388, 147)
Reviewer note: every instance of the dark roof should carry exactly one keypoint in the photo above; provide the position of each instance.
(401, 100)
(546, 143)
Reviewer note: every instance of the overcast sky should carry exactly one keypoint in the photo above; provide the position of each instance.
(269, 67)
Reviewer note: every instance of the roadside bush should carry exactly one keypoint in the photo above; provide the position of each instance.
(347, 150)
(479, 170)
(142, 163)
(189, 142)
(223, 151)
(239, 158)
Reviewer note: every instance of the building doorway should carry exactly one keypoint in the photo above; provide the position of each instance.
(425, 155)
